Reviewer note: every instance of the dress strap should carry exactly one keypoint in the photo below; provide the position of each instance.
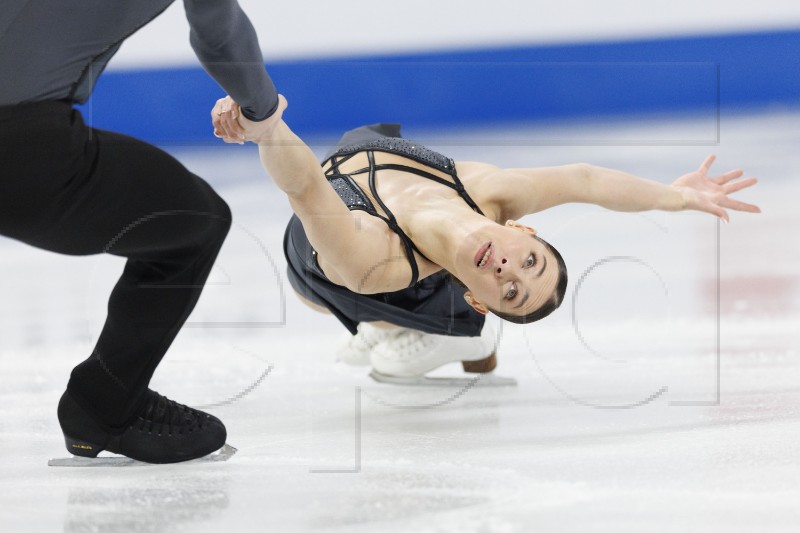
(462, 192)
(391, 221)
(456, 185)
(336, 161)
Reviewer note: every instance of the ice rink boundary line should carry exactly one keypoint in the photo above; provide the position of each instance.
(508, 85)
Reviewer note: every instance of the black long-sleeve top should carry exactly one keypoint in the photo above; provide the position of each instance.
(56, 49)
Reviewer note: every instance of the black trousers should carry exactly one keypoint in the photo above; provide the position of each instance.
(76, 190)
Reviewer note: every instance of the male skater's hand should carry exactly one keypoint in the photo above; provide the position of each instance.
(233, 127)
(702, 192)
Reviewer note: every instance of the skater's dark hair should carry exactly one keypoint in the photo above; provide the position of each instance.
(552, 303)
(548, 306)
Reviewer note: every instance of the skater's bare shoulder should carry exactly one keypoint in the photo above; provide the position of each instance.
(511, 193)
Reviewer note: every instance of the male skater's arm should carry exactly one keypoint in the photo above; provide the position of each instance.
(226, 43)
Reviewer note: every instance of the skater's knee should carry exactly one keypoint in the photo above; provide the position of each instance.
(225, 220)
(217, 223)
(315, 306)
(225, 215)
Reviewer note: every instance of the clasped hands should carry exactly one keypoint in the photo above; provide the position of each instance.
(232, 126)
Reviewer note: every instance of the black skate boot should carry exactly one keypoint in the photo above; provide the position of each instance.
(163, 431)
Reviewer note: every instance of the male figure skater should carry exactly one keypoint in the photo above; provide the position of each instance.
(73, 189)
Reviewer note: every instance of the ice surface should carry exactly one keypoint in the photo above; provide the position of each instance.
(639, 407)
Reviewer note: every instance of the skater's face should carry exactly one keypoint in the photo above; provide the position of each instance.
(508, 269)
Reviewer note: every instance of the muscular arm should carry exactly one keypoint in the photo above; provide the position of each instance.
(355, 254)
(532, 190)
(536, 189)
(226, 44)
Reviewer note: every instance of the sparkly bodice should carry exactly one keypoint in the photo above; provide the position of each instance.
(355, 198)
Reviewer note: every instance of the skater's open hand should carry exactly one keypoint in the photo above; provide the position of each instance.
(710, 194)
(233, 127)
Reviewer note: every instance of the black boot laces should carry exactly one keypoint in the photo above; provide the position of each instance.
(169, 417)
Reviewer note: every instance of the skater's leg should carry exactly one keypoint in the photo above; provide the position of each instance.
(171, 235)
(355, 349)
(73, 190)
(308, 303)
(414, 353)
(170, 225)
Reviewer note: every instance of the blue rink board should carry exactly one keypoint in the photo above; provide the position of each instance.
(709, 74)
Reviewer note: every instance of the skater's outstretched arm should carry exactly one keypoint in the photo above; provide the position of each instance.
(527, 191)
(349, 246)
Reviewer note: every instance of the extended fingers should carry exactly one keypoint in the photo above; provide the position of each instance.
(740, 206)
(731, 188)
(704, 168)
(720, 212)
(728, 176)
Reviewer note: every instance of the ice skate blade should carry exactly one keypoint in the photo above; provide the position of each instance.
(488, 379)
(223, 454)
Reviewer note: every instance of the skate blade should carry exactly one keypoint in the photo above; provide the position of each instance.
(488, 379)
(223, 454)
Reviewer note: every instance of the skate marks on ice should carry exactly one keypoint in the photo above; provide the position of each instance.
(433, 392)
(223, 454)
(489, 379)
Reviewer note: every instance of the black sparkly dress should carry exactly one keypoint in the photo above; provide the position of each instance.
(434, 304)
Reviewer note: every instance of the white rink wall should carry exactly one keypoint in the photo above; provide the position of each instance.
(346, 28)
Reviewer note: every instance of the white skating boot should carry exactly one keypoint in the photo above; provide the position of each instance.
(356, 349)
(406, 358)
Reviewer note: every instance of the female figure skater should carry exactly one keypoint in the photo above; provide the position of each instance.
(383, 227)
